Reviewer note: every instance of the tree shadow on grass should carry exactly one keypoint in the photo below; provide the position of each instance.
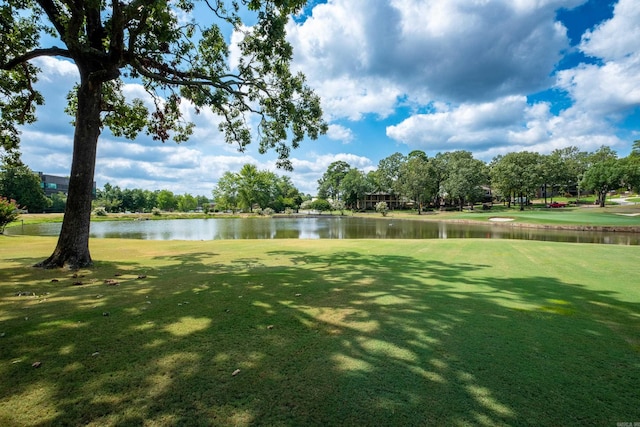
(319, 339)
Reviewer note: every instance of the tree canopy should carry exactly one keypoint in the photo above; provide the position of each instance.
(329, 184)
(251, 188)
(604, 175)
(517, 174)
(21, 184)
(175, 58)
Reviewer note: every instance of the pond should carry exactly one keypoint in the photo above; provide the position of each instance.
(322, 228)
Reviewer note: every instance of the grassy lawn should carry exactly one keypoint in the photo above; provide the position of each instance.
(611, 216)
(321, 332)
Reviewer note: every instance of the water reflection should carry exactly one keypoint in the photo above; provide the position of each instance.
(323, 228)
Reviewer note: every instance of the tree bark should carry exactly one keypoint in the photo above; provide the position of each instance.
(72, 250)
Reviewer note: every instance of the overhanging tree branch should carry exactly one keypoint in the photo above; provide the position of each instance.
(52, 51)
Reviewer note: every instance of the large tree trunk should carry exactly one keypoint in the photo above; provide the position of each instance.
(72, 250)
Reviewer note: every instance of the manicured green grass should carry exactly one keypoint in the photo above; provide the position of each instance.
(565, 216)
(619, 216)
(323, 332)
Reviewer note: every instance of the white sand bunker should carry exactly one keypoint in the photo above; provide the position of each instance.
(500, 219)
(631, 214)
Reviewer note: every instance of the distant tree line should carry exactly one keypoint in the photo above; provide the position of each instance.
(19, 183)
(456, 178)
(114, 199)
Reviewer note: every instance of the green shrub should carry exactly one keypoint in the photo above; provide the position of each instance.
(8, 212)
(100, 211)
(382, 208)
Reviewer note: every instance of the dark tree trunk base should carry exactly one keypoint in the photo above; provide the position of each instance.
(69, 261)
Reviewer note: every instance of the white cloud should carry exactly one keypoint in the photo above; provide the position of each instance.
(506, 125)
(605, 89)
(463, 127)
(613, 87)
(340, 133)
(602, 95)
(54, 69)
(617, 37)
(456, 51)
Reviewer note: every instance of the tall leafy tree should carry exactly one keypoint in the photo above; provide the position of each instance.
(389, 172)
(440, 170)
(150, 199)
(174, 59)
(573, 164)
(329, 184)
(517, 174)
(252, 186)
(138, 201)
(631, 166)
(287, 195)
(167, 200)
(186, 203)
(225, 193)
(353, 187)
(110, 198)
(464, 178)
(416, 179)
(605, 173)
(553, 173)
(21, 184)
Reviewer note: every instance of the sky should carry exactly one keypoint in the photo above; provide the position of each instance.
(487, 76)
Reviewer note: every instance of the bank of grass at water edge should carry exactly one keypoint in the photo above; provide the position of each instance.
(321, 332)
(611, 216)
(58, 217)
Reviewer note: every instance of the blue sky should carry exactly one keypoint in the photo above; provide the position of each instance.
(490, 77)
